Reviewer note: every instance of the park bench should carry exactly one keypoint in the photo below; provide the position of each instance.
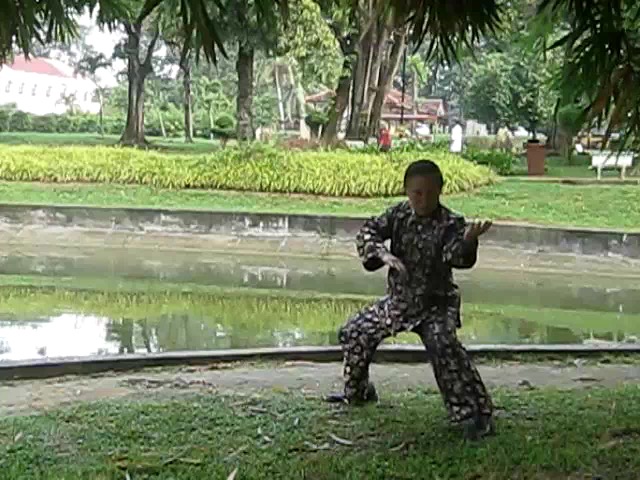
(606, 159)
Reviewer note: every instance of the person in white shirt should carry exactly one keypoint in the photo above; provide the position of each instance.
(456, 139)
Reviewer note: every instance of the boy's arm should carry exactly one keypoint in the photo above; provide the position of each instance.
(459, 251)
(370, 240)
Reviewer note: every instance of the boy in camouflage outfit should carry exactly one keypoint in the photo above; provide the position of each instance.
(427, 242)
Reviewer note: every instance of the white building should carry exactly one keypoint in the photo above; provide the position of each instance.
(42, 86)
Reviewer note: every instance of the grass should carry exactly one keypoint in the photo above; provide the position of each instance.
(547, 204)
(542, 434)
(558, 167)
(176, 145)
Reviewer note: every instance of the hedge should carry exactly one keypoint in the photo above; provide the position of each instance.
(14, 121)
(259, 168)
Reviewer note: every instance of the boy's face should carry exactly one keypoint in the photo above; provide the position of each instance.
(423, 193)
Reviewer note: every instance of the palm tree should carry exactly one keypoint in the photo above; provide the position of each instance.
(602, 43)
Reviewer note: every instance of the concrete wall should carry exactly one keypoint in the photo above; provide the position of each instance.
(64, 225)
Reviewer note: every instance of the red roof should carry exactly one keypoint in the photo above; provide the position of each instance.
(36, 65)
(427, 108)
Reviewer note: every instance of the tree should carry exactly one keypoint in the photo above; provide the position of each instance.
(142, 34)
(373, 36)
(251, 27)
(570, 122)
(180, 43)
(89, 64)
(602, 47)
(602, 44)
(488, 91)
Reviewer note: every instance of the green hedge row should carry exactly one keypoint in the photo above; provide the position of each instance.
(258, 168)
(14, 121)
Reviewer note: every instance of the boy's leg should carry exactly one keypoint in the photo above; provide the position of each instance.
(462, 389)
(359, 338)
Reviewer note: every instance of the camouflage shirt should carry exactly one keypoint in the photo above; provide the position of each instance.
(429, 247)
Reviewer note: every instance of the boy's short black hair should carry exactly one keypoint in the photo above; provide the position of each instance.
(423, 168)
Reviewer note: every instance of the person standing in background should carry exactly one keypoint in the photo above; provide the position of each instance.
(456, 138)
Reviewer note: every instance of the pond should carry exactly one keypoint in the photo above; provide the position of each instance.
(77, 302)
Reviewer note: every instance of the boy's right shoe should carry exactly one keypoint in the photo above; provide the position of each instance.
(370, 396)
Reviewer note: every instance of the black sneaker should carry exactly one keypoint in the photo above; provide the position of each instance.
(478, 427)
(370, 396)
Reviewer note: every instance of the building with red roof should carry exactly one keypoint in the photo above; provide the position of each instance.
(42, 86)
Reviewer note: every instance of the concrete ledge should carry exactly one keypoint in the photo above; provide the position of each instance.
(322, 235)
(48, 368)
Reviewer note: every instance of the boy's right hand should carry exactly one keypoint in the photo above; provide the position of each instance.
(394, 262)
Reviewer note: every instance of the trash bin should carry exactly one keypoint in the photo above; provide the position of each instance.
(535, 157)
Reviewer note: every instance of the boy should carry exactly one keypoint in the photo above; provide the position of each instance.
(427, 242)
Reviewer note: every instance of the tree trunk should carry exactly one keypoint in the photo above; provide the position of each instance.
(279, 95)
(161, 120)
(374, 75)
(101, 113)
(185, 65)
(244, 105)
(137, 72)
(300, 102)
(416, 91)
(387, 72)
(359, 80)
(553, 138)
(340, 101)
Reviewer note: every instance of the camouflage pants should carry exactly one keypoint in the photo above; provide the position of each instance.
(460, 385)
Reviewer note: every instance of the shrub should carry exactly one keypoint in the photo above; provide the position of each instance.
(259, 167)
(501, 162)
(480, 142)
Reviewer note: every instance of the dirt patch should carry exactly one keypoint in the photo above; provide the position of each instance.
(314, 379)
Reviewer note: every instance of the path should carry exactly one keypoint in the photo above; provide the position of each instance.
(24, 397)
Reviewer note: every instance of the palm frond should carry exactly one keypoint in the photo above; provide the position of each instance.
(603, 61)
(448, 23)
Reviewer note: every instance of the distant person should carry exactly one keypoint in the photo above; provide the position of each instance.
(427, 242)
(384, 139)
(456, 138)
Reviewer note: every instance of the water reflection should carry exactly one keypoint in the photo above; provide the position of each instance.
(578, 291)
(74, 334)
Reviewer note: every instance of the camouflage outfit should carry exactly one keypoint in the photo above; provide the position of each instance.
(426, 302)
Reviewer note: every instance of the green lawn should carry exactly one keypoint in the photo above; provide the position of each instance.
(177, 145)
(557, 167)
(585, 205)
(542, 434)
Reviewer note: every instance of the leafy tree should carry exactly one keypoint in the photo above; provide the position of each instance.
(89, 65)
(602, 47)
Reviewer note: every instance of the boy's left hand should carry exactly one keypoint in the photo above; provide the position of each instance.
(476, 229)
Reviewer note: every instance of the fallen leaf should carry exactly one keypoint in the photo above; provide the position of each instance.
(611, 444)
(237, 452)
(127, 476)
(258, 410)
(313, 446)
(17, 438)
(339, 440)
(398, 447)
(233, 474)
(267, 438)
(296, 422)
